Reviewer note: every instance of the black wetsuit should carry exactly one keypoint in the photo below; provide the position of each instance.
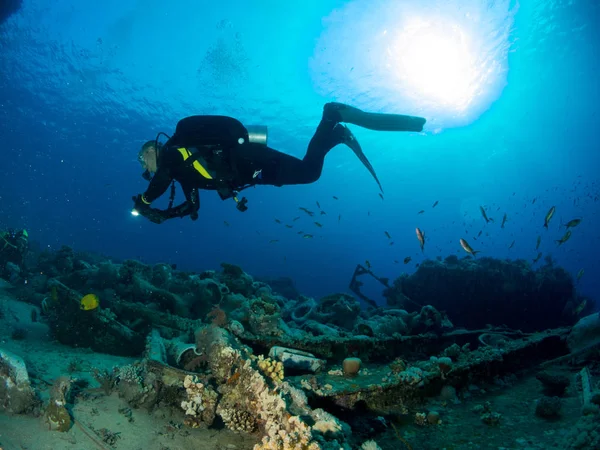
(220, 145)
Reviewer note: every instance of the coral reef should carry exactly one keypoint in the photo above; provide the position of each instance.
(200, 404)
(222, 344)
(137, 386)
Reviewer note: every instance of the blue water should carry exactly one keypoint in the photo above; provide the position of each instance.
(510, 91)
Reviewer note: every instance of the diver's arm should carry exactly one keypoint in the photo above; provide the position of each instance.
(188, 208)
(158, 186)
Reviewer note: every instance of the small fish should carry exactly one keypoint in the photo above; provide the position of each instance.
(368, 264)
(538, 242)
(421, 238)
(89, 302)
(580, 307)
(391, 243)
(308, 236)
(511, 245)
(323, 213)
(533, 201)
(339, 218)
(580, 274)
(381, 195)
(335, 198)
(272, 241)
(277, 221)
(289, 226)
(467, 248)
(307, 211)
(421, 212)
(226, 223)
(549, 217)
(565, 238)
(479, 234)
(407, 259)
(435, 204)
(395, 261)
(537, 258)
(319, 225)
(295, 218)
(503, 220)
(318, 205)
(300, 232)
(484, 215)
(387, 235)
(572, 223)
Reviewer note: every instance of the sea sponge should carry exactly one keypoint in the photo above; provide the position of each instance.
(351, 366)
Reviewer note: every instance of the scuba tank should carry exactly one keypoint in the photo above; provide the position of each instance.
(257, 134)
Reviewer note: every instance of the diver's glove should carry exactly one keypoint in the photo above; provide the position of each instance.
(155, 215)
(152, 214)
(139, 205)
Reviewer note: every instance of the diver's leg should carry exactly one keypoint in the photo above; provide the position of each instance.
(330, 133)
(373, 121)
(258, 164)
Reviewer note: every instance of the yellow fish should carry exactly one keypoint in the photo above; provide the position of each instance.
(89, 302)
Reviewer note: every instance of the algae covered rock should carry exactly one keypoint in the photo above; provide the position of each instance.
(475, 292)
(57, 415)
(16, 393)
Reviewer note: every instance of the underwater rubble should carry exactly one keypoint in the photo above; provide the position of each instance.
(221, 349)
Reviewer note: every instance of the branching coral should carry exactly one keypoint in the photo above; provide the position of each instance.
(272, 369)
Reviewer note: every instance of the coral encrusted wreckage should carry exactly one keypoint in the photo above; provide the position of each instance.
(220, 349)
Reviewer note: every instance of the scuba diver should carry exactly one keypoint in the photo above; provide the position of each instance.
(13, 247)
(219, 153)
